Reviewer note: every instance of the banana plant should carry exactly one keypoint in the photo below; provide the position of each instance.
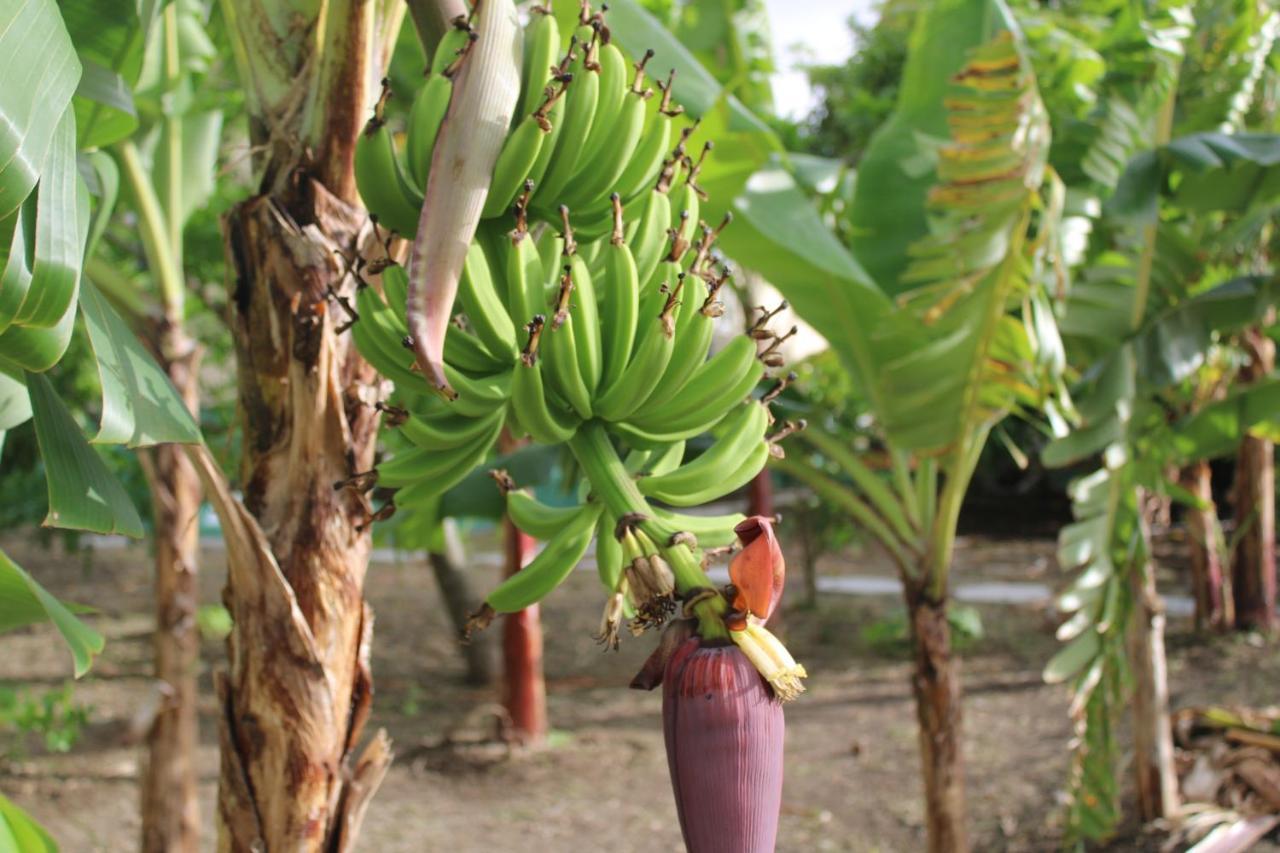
(589, 292)
(949, 330)
(79, 62)
(1143, 327)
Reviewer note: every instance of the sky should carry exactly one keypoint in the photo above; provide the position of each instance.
(811, 31)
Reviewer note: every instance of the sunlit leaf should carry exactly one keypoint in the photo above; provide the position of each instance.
(40, 71)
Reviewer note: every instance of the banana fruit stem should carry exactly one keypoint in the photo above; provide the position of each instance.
(613, 485)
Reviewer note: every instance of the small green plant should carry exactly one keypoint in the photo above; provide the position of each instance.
(54, 715)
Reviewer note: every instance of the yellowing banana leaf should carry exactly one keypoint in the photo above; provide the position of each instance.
(140, 407)
(83, 494)
(894, 177)
(40, 71)
(19, 831)
(24, 602)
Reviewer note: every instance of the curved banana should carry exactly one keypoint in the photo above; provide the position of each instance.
(387, 193)
(540, 417)
(748, 467)
(549, 569)
(429, 106)
(583, 98)
(647, 364)
(519, 153)
(584, 311)
(541, 46)
(478, 395)
(650, 241)
(711, 531)
(539, 520)
(427, 489)
(453, 45)
(608, 553)
(713, 388)
(621, 304)
(560, 353)
(743, 429)
(485, 310)
(445, 433)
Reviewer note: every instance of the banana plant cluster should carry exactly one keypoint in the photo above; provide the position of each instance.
(588, 299)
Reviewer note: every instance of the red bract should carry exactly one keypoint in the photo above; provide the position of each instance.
(724, 734)
(758, 570)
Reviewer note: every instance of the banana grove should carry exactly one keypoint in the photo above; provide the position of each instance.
(470, 249)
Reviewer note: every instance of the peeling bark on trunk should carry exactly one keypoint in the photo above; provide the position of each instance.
(935, 683)
(1206, 564)
(524, 690)
(455, 589)
(170, 808)
(298, 689)
(1156, 775)
(1253, 565)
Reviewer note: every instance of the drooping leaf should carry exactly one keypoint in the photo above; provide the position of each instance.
(140, 407)
(40, 71)
(24, 602)
(83, 493)
(102, 176)
(19, 832)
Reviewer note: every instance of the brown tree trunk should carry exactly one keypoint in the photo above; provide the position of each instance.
(298, 689)
(1206, 563)
(170, 807)
(1156, 775)
(1253, 565)
(455, 590)
(935, 682)
(524, 689)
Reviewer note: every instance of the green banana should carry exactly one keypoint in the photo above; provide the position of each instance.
(387, 193)
(541, 45)
(647, 364)
(525, 275)
(621, 304)
(379, 336)
(584, 312)
(478, 395)
(444, 433)
(549, 569)
(427, 488)
(666, 460)
(716, 385)
(620, 127)
(519, 153)
(711, 531)
(529, 400)
(453, 45)
(698, 313)
(608, 553)
(750, 465)
(410, 465)
(485, 309)
(742, 429)
(560, 353)
(650, 241)
(429, 106)
(555, 118)
(583, 97)
(539, 520)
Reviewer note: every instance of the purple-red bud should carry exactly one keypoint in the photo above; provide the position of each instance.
(724, 732)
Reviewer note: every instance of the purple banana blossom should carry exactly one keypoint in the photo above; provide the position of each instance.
(724, 732)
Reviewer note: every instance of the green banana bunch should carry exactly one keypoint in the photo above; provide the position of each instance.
(596, 333)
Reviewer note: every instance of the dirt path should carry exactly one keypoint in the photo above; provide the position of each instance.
(851, 782)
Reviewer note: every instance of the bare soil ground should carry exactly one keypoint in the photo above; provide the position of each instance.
(852, 782)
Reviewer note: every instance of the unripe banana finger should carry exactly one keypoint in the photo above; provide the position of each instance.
(549, 569)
